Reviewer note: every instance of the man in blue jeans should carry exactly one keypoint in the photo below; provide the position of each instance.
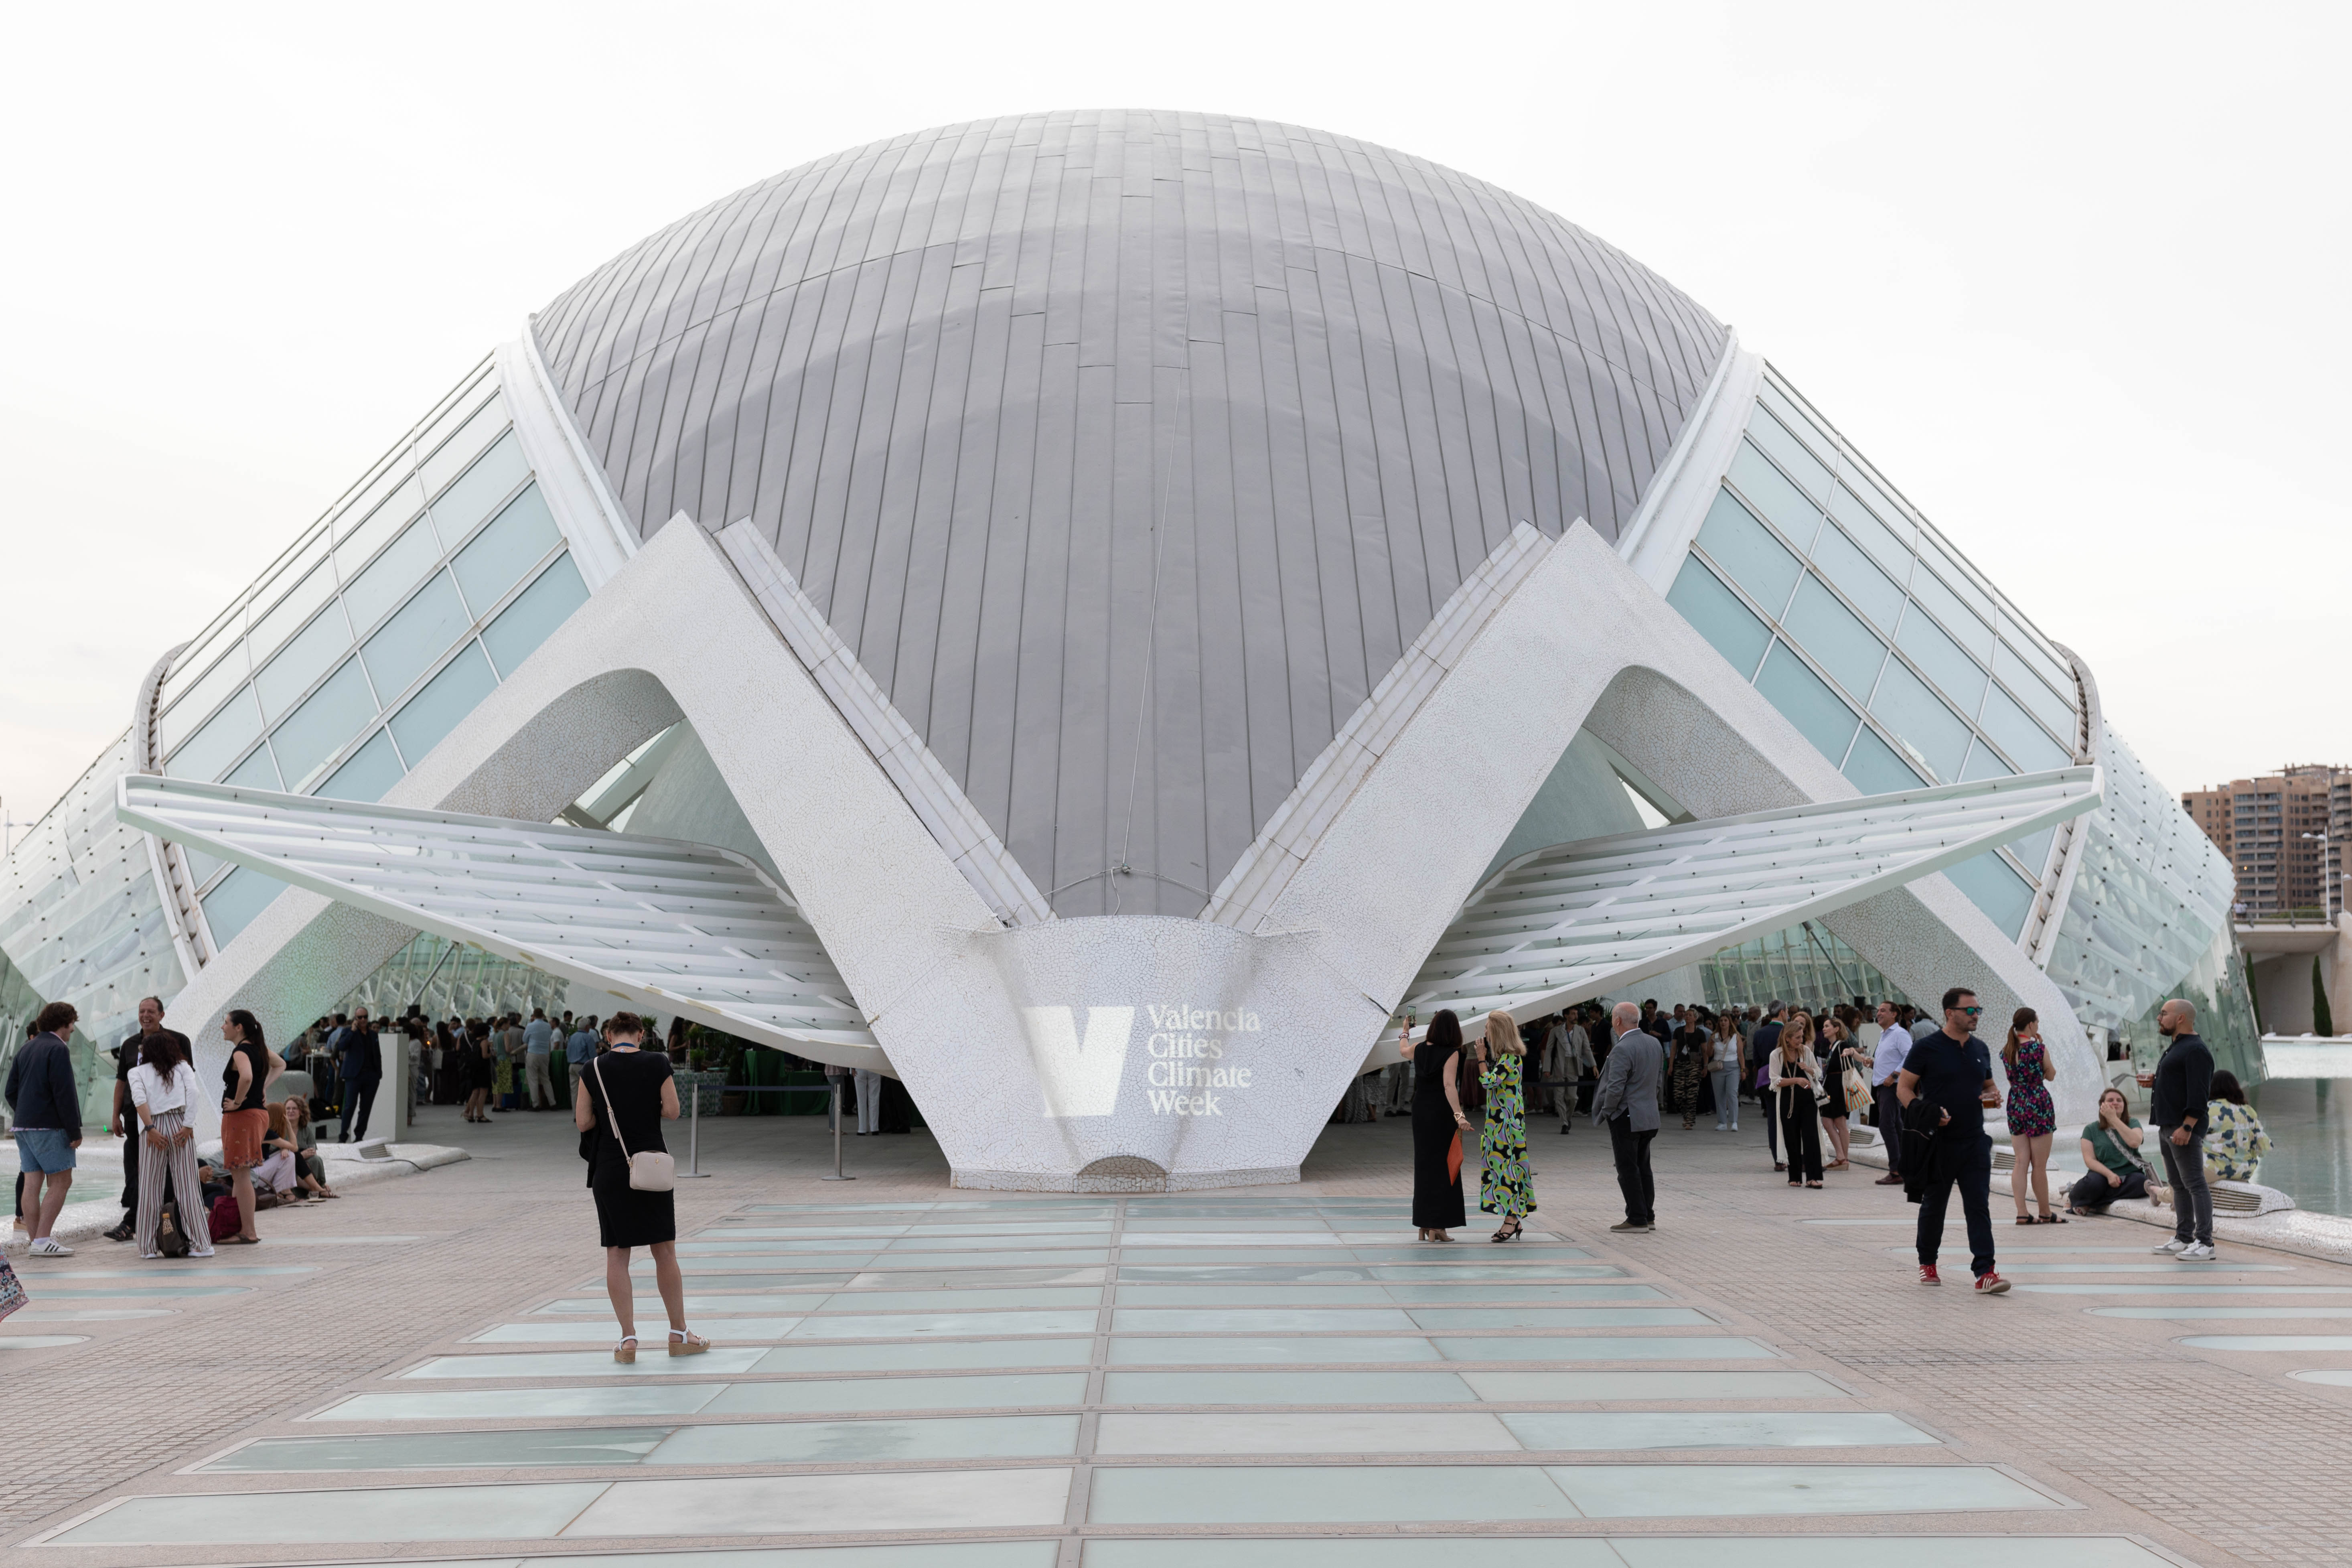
(40, 1093)
(2180, 1087)
(1951, 1070)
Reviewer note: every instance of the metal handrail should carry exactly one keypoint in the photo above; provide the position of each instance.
(694, 1121)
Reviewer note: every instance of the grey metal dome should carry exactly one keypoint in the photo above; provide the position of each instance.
(1128, 449)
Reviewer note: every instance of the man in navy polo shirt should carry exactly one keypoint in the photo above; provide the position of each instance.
(1951, 1070)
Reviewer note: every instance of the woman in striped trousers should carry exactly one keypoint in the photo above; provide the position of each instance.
(161, 1087)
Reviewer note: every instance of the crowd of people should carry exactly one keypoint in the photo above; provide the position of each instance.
(1925, 1083)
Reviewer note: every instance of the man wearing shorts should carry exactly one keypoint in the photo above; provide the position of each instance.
(40, 1094)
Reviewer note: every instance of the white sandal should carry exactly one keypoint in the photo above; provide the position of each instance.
(686, 1342)
(625, 1351)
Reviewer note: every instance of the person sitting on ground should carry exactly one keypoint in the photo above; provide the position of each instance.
(290, 1132)
(2111, 1154)
(2235, 1144)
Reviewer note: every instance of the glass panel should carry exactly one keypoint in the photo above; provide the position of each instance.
(2027, 746)
(1807, 702)
(1983, 763)
(2034, 852)
(1766, 488)
(1958, 620)
(1838, 641)
(2049, 706)
(297, 607)
(258, 771)
(1935, 735)
(1839, 560)
(1958, 577)
(2055, 671)
(1794, 418)
(335, 712)
(418, 635)
(1720, 617)
(367, 506)
(1876, 769)
(1812, 475)
(484, 485)
(371, 770)
(197, 662)
(230, 908)
(1996, 890)
(220, 743)
(201, 698)
(1961, 678)
(1890, 547)
(517, 541)
(543, 607)
(284, 678)
(1746, 549)
(447, 698)
(370, 534)
(460, 449)
(1864, 487)
(455, 410)
(397, 571)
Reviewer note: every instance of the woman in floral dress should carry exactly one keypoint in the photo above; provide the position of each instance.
(1507, 1189)
(2032, 1120)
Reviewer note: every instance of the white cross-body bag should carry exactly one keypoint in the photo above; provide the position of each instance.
(649, 1171)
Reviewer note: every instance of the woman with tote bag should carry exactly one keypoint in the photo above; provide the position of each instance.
(622, 1100)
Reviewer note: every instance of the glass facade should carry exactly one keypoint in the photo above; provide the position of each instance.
(381, 628)
(1872, 635)
(1804, 964)
(467, 983)
(2148, 917)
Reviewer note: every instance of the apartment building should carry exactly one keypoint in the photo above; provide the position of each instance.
(2284, 834)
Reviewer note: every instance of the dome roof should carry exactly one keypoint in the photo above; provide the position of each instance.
(1128, 449)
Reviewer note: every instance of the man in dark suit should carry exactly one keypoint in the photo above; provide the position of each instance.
(1627, 1104)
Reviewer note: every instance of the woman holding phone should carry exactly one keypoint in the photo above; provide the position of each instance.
(1437, 1118)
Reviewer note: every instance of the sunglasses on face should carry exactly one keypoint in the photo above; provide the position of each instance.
(1971, 1012)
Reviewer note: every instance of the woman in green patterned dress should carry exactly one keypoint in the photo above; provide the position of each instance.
(1506, 1190)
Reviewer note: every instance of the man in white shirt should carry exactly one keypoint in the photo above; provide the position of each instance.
(1887, 1062)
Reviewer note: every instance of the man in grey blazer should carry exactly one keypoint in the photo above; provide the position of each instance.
(1627, 1101)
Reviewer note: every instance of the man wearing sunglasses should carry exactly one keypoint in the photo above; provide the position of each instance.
(1950, 1073)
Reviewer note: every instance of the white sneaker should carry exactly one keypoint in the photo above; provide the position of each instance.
(2171, 1248)
(48, 1247)
(2199, 1252)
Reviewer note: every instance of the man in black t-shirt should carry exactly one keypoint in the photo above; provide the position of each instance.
(124, 1121)
(1951, 1071)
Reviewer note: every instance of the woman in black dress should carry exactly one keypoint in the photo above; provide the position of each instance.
(633, 1088)
(1437, 1117)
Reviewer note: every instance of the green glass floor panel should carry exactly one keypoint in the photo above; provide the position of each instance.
(525, 1404)
(2189, 1289)
(1006, 1260)
(1604, 1347)
(1272, 1388)
(1259, 1321)
(975, 1278)
(1667, 1491)
(1041, 1553)
(2269, 1341)
(1421, 1551)
(1417, 1551)
(1870, 1550)
(1141, 1433)
(1240, 1352)
(980, 1301)
(936, 1355)
(1323, 1494)
(789, 1505)
(444, 1450)
(760, 1273)
(1411, 1295)
(1138, 1226)
(1091, 1206)
(856, 1395)
(698, 1307)
(945, 1325)
(1158, 1271)
(1534, 1269)
(728, 1247)
(1253, 1295)
(1631, 1430)
(603, 1331)
(923, 1227)
(886, 1442)
(988, 1248)
(1599, 1383)
(2217, 1312)
(1454, 1319)
(537, 1510)
(721, 1361)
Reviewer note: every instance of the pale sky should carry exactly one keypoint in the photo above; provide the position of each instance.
(2073, 276)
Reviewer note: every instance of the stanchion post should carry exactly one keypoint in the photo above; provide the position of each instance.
(837, 1174)
(694, 1133)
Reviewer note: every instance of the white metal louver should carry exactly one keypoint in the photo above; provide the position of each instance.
(1569, 923)
(679, 927)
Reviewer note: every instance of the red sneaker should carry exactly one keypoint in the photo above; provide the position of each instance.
(1928, 1274)
(1991, 1284)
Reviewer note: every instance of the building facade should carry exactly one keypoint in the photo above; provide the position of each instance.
(1109, 613)
(2285, 836)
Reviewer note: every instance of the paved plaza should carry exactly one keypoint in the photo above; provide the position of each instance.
(908, 1375)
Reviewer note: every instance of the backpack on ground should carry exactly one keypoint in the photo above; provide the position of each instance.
(223, 1217)
(171, 1240)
